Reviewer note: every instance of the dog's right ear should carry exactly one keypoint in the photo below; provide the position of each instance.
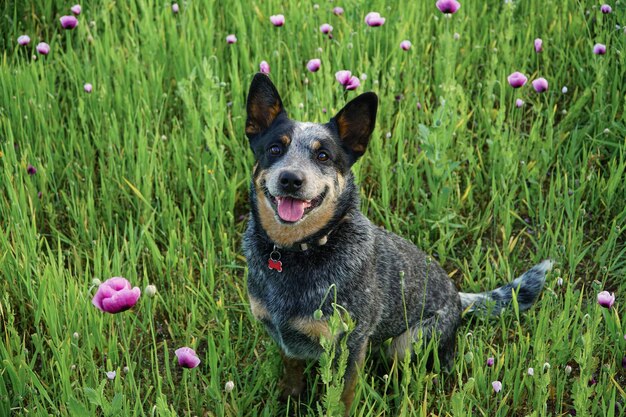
(264, 105)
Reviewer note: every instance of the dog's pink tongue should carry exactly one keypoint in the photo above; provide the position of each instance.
(290, 209)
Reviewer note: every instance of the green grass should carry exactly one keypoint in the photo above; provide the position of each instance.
(147, 178)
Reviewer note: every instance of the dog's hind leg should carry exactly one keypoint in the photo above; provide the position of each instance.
(293, 382)
(442, 325)
(358, 349)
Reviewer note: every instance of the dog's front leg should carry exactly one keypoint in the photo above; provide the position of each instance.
(358, 350)
(292, 383)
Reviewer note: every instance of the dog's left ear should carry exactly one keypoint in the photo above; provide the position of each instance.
(264, 105)
(356, 121)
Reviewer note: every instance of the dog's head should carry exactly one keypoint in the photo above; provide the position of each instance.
(302, 169)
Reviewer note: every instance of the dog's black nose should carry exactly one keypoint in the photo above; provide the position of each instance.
(291, 181)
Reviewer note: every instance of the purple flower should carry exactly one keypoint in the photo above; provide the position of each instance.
(43, 48)
(343, 76)
(540, 85)
(354, 83)
(374, 19)
(606, 9)
(175, 8)
(231, 39)
(277, 20)
(23, 40)
(538, 45)
(111, 375)
(88, 87)
(326, 28)
(419, 106)
(314, 64)
(406, 45)
(115, 295)
(448, 6)
(187, 357)
(76, 9)
(519, 102)
(490, 362)
(31, 170)
(497, 386)
(68, 22)
(599, 49)
(606, 299)
(517, 79)
(338, 10)
(264, 67)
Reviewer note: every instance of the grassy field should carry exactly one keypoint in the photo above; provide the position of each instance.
(146, 177)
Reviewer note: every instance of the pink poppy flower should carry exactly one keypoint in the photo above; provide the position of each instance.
(31, 170)
(326, 28)
(314, 64)
(540, 85)
(490, 362)
(264, 67)
(599, 49)
(517, 79)
(519, 103)
(338, 11)
(231, 39)
(68, 22)
(606, 299)
(343, 76)
(448, 6)
(23, 40)
(606, 9)
(88, 87)
(277, 20)
(374, 19)
(497, 386)
(43, 48)
(353, 83)
(406, 45)
(175, 8)
(538, 45)
(76, 9)
(187, 357)
(115, 295)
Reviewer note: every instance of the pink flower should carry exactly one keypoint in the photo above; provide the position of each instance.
(606, 299)
(338, 11)
(519, 102)
(187, 357)
(343, 76)
(115, 295)
(606, 9)
(314, 64)
(76, 9)
(497, 386)
(419, 106)
(353, 83)
(517, 79)
(448, 6)
(264, 67)
(538, 45)
(23, 40)
(490, 362)
(374, 19)
(540, 85)
(231, 39)
(111, 375)
(43, 48)
(31, 170)
(277, 20)
(88, 87)
(406, 45)
(68, 22)
(599, 49)
(326, 28)
(175, 8)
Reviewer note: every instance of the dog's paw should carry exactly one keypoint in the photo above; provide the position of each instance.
(291, 387)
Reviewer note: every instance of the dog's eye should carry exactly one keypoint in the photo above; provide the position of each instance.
(275, 150)
(322, 156)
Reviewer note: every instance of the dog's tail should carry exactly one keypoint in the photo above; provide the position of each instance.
(527, 286)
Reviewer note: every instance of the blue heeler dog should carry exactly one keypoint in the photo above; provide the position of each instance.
(306, 234)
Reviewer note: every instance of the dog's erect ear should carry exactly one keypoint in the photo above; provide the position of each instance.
(355, 122)
(263, 106)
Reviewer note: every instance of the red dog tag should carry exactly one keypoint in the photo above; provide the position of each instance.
(276, 265)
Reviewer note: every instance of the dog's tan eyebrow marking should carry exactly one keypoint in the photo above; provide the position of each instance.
(286, 140)
(316, 145)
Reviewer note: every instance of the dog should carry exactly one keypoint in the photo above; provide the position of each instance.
(306, 235)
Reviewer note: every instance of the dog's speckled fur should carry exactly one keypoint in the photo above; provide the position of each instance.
(390, 288)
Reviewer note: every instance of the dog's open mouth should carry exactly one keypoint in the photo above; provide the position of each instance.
(290, 209)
